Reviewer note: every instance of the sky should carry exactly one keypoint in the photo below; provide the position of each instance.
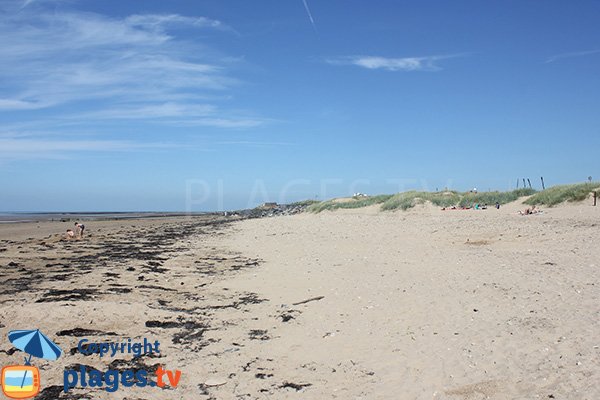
(212, 105)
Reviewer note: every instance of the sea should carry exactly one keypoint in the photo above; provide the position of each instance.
(12, 217)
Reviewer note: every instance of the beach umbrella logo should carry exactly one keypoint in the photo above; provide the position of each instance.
(23, 381)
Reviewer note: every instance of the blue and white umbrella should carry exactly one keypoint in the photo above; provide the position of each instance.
(34, 343)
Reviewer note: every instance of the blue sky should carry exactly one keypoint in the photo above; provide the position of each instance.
(204, 105)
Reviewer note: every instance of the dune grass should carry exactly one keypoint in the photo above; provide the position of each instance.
(403, 201)
(490, 198)
(559, 194)
(406, 200)
(302, 203)
(357, 202)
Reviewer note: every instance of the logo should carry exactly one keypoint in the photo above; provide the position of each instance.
(20, 382)
(111, 380)
(23, 381)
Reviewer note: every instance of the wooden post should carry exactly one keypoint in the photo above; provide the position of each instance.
(524, 185)
(529, 183)
(543, 186)
(595, 196)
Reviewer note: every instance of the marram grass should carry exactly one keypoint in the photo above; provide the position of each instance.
(406, 200)
(358, 202)
(559, 194)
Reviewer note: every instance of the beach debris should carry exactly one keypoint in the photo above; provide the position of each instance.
(317, 298)
(81, 332)
(55, 392)
(259, 334)
(296, 386)
(54, 295)
(286, 317)
(215, 381)
(287, 314)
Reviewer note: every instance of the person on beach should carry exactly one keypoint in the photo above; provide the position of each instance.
(70, 234)
(80, 228)
(529, 211)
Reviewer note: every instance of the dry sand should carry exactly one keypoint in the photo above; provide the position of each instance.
(424, 304)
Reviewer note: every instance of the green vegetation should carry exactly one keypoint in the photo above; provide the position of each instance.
(303, 203)
(407, 200)
(559, 194)
(490, 198)
(355, 202)
(403, 201)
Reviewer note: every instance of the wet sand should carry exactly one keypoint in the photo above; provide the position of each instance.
(353, 304)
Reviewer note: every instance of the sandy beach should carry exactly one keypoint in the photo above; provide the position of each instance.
(351, 304)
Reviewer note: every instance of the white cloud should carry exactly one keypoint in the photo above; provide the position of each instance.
(254, 143)
(19, 148)
(158, 21)
(9, 146)
(131, 67)
(12, 104)
(239, 122)
(427, 63)
(571, 55)
(310, 17)
(154, 111)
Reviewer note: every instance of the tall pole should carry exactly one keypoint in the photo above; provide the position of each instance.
(529, 183)
(524, 185)
(543, 186)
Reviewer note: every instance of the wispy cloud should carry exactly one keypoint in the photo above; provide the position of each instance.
(252, 143)
(134, 64)
(74, 81)
(159, 21)
(427, 63)
(26, 3)
(571, 55)
(310, 17)
(19, 148)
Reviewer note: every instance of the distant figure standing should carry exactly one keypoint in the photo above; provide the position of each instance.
(80, 228)
(497, 206)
